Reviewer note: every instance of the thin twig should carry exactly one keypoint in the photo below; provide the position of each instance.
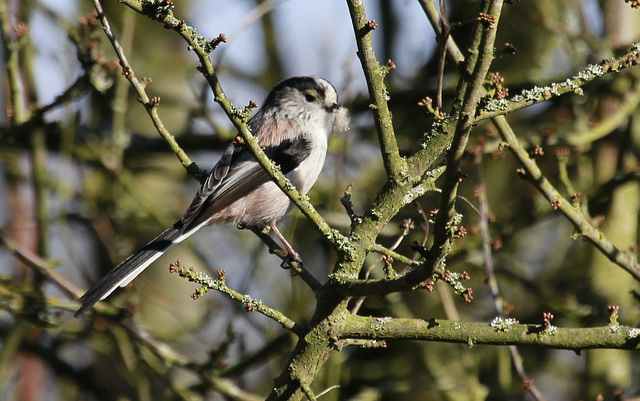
(326, 390)
(377, 248)
(470, 90)
(406, 227)
(150, 105)
(11, 46)
(433, 15)
(251, 304)
(494, 289)
(297, 267)
(40, 265)
(443, 37)
(626, 260)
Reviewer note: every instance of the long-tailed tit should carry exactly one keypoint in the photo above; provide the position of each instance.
(293, 128)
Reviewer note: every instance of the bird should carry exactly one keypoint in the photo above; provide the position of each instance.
(293, 127)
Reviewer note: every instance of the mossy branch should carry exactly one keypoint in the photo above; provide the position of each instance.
(529, 97)
(468, 94)
(251, 304)
(631, 58)
(627, 260)
(394, 164)
(498, 332)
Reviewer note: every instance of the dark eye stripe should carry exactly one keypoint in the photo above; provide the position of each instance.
(302, 84)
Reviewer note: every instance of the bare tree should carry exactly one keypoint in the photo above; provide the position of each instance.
(527, 214)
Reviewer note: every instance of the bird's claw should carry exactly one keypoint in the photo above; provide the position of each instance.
(291, 257)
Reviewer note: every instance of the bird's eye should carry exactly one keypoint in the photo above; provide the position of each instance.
(310, 97)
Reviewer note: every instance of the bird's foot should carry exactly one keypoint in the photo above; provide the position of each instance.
(289, 258)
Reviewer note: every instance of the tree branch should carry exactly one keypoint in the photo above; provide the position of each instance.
(150, 104)
(499, 332)
(251, 305)
(469, 92)
(394, 164)
(12, 65)
(584, 228)
(529, 97)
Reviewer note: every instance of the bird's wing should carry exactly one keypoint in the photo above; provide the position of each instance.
(238, 174)
(218, 174)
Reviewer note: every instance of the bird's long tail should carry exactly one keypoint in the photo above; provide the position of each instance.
(126, 271)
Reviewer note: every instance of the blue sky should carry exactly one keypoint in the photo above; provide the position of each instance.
(316, 38)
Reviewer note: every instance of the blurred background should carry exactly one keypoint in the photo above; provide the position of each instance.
(91, 181)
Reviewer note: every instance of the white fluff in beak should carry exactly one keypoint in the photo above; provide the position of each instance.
(342, 122)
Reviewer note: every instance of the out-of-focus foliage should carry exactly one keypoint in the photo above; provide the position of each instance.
(91, 181)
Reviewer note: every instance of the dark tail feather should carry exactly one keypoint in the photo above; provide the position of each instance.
(126, 271)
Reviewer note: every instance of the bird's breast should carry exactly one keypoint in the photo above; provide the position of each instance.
(305, 175)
